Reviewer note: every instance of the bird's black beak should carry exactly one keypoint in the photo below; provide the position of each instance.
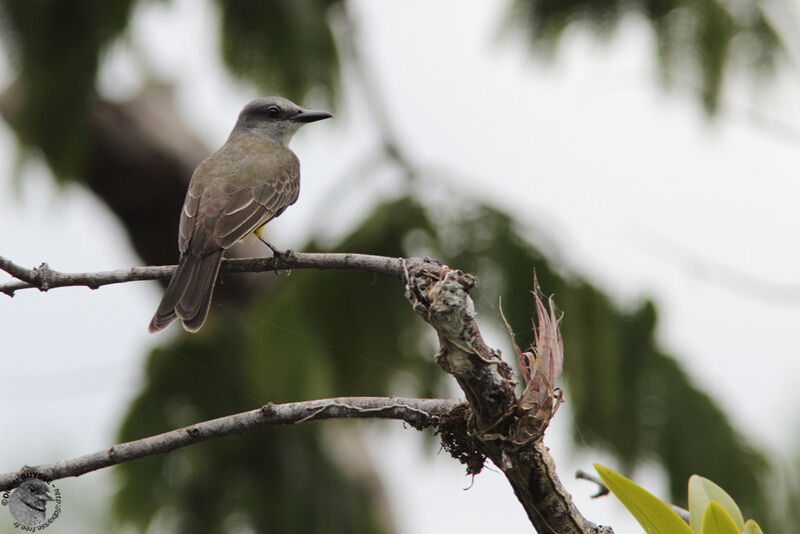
(309, 115)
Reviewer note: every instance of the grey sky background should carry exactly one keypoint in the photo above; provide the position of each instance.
(629, 184)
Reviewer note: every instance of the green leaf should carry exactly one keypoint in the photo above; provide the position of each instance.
(650, 511)
(751, 527)
(701, 492)
(717, 521)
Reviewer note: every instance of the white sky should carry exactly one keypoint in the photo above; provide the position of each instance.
(624, 179)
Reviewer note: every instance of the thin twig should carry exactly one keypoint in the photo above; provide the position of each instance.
(419, 413)
(719, 273)
(602, 489)
(45, 278)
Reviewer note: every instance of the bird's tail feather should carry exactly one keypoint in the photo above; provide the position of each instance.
(188, 294)
(193, 306)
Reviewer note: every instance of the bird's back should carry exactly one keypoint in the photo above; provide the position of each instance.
(249, 180)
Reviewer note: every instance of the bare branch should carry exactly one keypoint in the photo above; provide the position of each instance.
(602, 489)
(419, 413)
(45, 278)
(18, 271)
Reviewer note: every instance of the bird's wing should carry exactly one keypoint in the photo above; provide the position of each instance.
(188, 218)
(251, 206)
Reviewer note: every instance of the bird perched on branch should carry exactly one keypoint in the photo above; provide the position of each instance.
(249, 181)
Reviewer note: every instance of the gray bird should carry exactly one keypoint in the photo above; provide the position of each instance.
(28, 503)
(249, 181)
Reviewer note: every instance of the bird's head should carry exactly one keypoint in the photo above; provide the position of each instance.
(275, 118)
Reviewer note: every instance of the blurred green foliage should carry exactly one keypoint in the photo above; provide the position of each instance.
(340, 333)
(283, 46)
(55, 47)
(269, 480)
(288, 47)
(626, 396)
(313, 335)
(699, 41)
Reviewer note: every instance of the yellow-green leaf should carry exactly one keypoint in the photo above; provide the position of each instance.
(716, 520)
(701, 492)
(650, 511)
(751, 527)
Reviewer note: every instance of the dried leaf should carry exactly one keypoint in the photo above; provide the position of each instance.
(540, 369)
(523, 360)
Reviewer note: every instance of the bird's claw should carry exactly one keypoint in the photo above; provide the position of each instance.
(276, 256)
(280, 256)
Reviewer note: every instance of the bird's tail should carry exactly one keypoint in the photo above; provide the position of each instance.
(188, 294)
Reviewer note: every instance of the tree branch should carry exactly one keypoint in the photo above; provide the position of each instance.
(45, 278)
(602, 489)
(440, 295)
(419, 413)
(497, 424)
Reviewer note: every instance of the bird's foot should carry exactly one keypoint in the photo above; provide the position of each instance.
(281, 256)
(277, 256)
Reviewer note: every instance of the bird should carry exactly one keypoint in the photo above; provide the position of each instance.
(28, 503)
(234, 192)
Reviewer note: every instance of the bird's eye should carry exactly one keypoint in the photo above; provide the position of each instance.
(273, 111)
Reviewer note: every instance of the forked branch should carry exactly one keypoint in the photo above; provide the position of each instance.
(498, 425)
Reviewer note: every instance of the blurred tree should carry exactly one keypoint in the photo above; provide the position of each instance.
(312, 337)
(625, 394)
(699, 40)
(55, 48)
(339, 333)
(256, 36)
